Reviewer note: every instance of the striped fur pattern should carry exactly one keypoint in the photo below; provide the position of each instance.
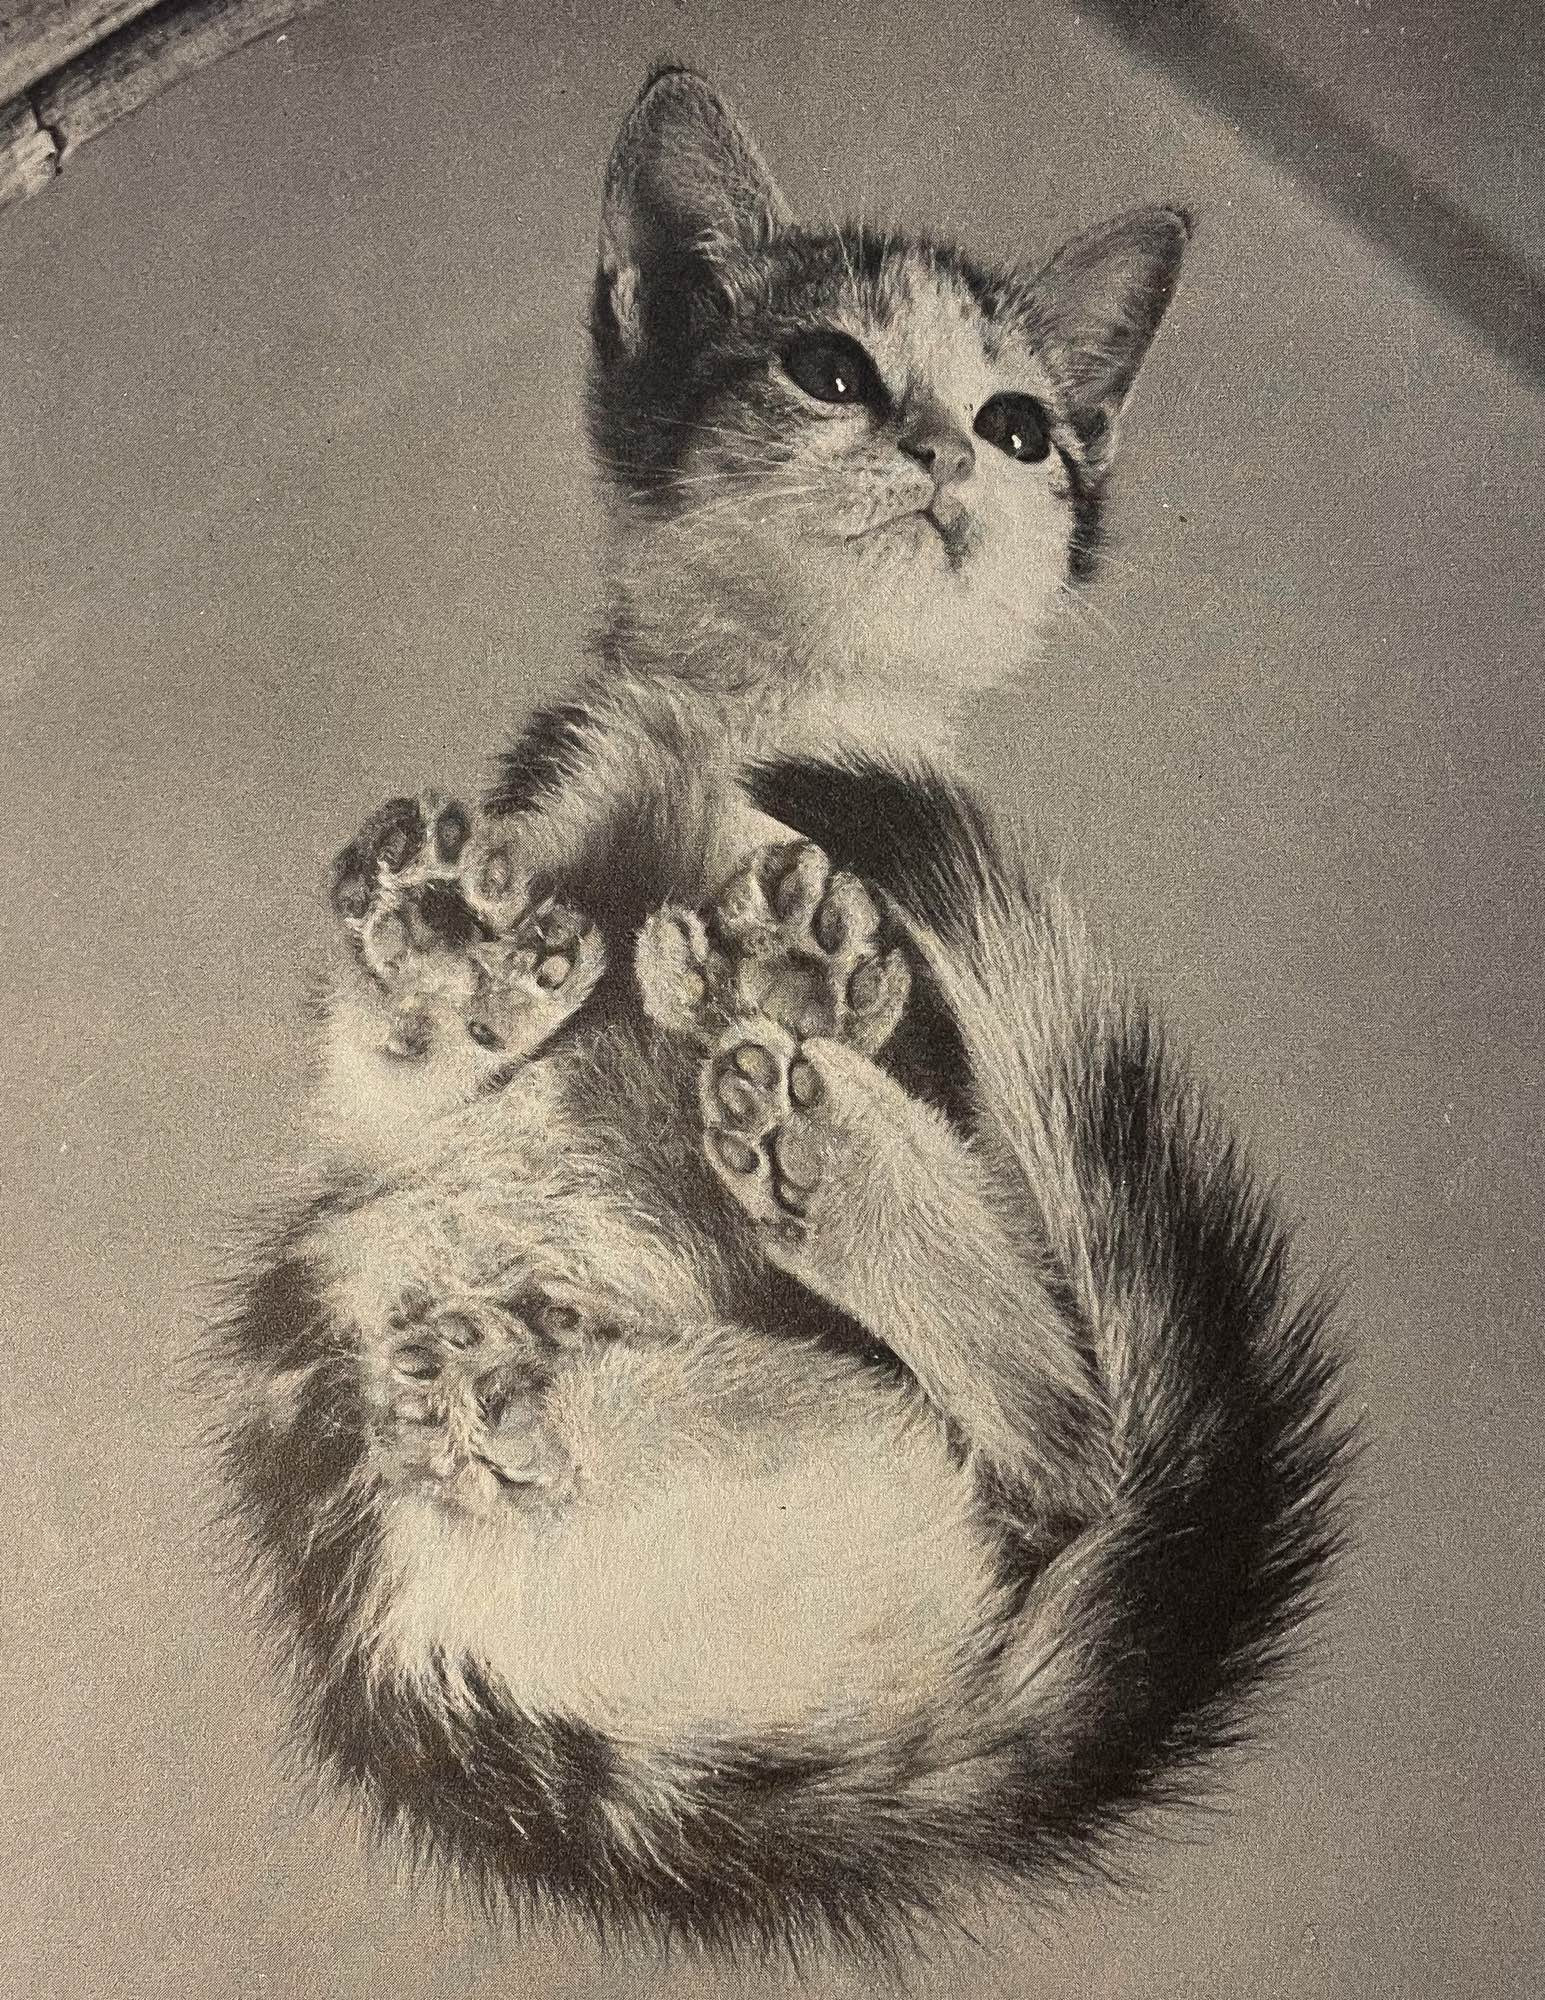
(757, 1587)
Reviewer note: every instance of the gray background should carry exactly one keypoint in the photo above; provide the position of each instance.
(293, 512)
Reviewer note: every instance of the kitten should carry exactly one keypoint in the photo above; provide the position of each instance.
(781, 1408)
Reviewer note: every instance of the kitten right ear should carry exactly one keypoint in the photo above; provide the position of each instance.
(1096, 307)
(689, 201)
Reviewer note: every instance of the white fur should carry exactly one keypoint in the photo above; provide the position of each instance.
(782, 1549)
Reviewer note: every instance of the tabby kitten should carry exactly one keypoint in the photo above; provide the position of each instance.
(780, 1408)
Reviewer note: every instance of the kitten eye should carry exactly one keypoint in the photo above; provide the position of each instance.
(1017, 425)
(831, 368)
(484, 1036)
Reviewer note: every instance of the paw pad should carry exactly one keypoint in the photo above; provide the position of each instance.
(788, 940)
(733, 1154)
(452, 827)
(497, 872)
(430, 892)
(456, 1393)
(763, 1128)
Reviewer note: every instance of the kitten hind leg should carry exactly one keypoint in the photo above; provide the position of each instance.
(874, 1201)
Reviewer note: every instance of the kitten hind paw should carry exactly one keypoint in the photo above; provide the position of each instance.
(767, 1132)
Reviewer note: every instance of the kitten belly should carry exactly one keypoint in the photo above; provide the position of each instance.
(752, 1539)
(651, 1520)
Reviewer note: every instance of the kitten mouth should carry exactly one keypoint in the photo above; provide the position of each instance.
(952, 525)
(954, 530)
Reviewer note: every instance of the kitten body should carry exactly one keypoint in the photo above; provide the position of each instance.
(782, 1407)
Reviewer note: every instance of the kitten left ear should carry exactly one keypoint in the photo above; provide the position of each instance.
(688, 198)
(1096, 307)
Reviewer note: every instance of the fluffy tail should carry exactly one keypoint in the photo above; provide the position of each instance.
(1144, 1648)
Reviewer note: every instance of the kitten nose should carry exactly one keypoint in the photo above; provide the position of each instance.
(941, 449)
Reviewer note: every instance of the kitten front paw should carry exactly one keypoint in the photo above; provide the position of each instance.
(441, 918)
(789, 939)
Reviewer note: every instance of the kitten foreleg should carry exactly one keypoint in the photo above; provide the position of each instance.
(453, 975)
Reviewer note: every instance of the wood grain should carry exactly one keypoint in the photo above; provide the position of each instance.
(121, 74)
(153, 47)
(40, 36)
(29, 159)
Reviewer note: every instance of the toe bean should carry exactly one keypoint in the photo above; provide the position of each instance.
(757, 1064)
(867, 985)
(458, 1330)
(805, 1085)
(798, 1156)
(402, 835)
(497, 873)
(351, 895)
(451, 831)
(733, 1154)
(742, 1103)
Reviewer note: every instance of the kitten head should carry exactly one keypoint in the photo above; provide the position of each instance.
(870, 445)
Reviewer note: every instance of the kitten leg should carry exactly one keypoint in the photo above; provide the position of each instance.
(868, 1197)
(455, 977)
(874, 1201)
(788, 937)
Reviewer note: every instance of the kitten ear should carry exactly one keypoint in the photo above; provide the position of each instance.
(1096, 307)
(688, 197)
